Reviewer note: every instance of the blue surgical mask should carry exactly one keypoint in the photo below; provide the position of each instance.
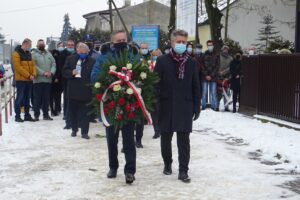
(198, 51)
(154, 58)
(180, 48)
(144, 51)
(29, 49)
(82, 56)
(71, 50)
(210, 48)
(189, 50)
(60, 49)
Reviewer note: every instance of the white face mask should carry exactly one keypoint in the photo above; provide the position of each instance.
(210, 48)
(251, 52)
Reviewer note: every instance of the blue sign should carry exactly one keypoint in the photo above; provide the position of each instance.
(146, 34)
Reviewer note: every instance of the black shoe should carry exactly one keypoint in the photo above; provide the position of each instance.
(48, 118)
(216, 109)
(203, 108)
(64, 118)
(234, 110)
(73, 134)
(112, 173)
(29, 119)
(156, 135)
(93, 121)
(36, 119)
(227, 110)
(139, 145)
(184, 177)
(167, 170)
(129, 178)
(19, 119)
(85, 137)
(54, 114)
(67, 127)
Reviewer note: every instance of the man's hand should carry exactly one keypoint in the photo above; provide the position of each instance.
(31, 77)
(74, 72)
(56, 80)
(196, 116)
(238, 76)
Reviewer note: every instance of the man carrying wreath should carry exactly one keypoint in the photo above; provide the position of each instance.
(179, 102)
(117, 47)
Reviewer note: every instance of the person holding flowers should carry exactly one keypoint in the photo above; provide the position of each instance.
(124, 92)
(179, 102)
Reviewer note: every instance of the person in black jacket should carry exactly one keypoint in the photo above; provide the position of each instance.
(235, 81)
(179, 102)
(56, 87)
(79, 93)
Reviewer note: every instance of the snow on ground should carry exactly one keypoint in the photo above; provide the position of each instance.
(232, 158)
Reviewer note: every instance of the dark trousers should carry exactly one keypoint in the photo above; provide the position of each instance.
(154, 116)
(128, 147)
(139, 132)
(24, 89)
(236, 98)
(41, 94)
(78, 112)
(183, 145)
(65, 106)
(55, 98)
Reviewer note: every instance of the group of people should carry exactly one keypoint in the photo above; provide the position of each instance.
(186, 74)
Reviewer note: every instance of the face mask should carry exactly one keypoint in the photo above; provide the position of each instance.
(120, 46)
(70, 50)
(144, 51)
(29, 49)
(189, 50)
(41, 47)
(82, 56)
(210, 48)
(60, 49)
(251, 52)
(154, 58)
(180, 48)
(198, 51)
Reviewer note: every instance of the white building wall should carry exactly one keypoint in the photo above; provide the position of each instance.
(246, 15)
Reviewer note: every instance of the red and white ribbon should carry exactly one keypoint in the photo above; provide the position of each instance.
(125, 77)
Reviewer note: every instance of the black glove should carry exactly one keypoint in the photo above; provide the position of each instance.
(196, 116)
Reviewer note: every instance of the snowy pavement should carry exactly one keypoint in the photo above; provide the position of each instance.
(232, 158)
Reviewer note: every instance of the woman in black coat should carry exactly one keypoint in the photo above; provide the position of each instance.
(235, 82)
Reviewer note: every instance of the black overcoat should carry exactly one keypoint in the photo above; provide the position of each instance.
(235, 70)
(178, 99)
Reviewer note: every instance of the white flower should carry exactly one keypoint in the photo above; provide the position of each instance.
(149, 62)
(129, 66)
(143, 75)
(97, 85)
(117, 88)
(139, 90)
(113, 68)
(129, 91)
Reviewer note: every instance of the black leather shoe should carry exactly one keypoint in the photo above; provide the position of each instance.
(73, 134)
(48, 118)
(129, 178)
(167, 170)
(112, 173)
(184, 177)
(156, 135)
(19, 119)
(29, 119)
(139, 145)
(85, 137)
(67, 127)
(227, 110)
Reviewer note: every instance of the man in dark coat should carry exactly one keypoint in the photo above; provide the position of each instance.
(79, 93)
(235, 81)
(179, 102)
(210, 76)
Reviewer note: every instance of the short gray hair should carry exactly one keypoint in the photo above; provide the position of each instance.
(115, 33)
(179, 32)
(81, 45)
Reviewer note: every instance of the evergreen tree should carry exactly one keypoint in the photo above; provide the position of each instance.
(66, 28)
(267, 33)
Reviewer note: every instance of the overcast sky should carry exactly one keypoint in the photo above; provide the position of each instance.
(37, 19)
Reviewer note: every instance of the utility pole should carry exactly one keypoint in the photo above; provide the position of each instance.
(197, 40)
(110, 16)
(297, 33)
(121, 18)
